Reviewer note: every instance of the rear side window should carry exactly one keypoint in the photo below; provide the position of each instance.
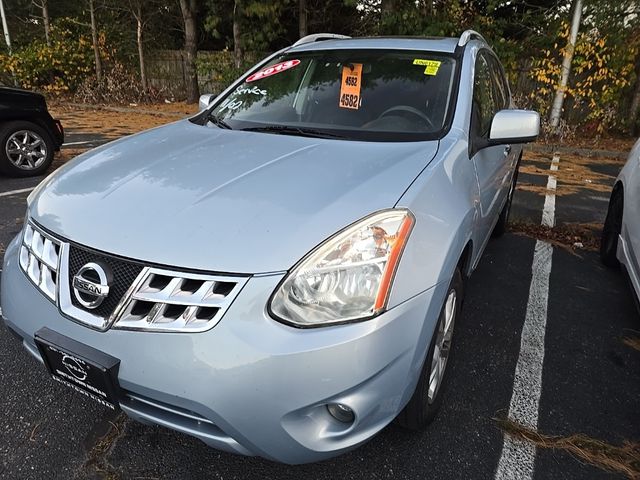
(484, 104)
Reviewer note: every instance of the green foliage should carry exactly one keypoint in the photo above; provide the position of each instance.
(601, 77)
(217, 70)
(528, 36)
(260, 22)
(56, 68)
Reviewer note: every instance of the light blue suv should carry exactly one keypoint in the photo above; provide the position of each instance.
(281, 274)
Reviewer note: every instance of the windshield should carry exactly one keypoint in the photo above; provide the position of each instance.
(378, 95)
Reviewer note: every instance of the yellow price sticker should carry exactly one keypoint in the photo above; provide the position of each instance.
(432, 66)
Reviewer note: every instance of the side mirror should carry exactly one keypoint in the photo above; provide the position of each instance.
(205, 101)
(514, 126)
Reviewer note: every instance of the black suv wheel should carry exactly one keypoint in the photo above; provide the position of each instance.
(26, 149)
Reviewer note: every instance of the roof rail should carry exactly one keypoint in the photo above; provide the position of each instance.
(469, 35)
(318, 37)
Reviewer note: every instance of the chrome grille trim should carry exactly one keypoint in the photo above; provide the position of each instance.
(39, 259)
(183, 302)
(188, 296)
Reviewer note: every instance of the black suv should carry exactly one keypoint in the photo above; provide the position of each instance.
(29, 136)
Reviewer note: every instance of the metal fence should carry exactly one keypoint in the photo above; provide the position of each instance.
(166, 71)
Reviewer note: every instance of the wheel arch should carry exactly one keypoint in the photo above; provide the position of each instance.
(38, 121)
(464, 263)
(618, 187)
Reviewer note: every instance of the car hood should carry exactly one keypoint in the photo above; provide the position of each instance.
(196, 197)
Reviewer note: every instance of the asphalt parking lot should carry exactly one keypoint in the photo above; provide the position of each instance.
(590, 379)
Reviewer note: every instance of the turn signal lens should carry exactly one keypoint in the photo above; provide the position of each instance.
(349, 276)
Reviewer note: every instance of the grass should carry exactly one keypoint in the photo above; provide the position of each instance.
(623, 459)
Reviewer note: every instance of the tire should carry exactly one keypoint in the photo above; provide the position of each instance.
(503, 219)
(427, 398)
(26, 149)
(611, 230)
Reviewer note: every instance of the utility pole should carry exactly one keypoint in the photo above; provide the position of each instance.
(556, 109)
(5, 29)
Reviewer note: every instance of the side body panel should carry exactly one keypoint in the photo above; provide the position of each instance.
(630, 178)
(456, 200)
(494, 167)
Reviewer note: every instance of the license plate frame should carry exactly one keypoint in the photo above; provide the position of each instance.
(80, 367)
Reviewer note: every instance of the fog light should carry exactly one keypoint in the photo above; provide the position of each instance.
(340, 412)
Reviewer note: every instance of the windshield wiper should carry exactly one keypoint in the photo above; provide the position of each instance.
(289, 130)
(218, 122)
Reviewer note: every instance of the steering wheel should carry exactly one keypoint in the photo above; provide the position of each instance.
(409, 109)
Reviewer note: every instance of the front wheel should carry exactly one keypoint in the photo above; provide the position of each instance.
(426, 400)
(25, 149)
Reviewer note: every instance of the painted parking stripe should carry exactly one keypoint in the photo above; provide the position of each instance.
(16, 192)
(548, 212)
(518, 457)
(86, 142)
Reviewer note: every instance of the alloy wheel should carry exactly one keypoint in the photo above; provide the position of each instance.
(442, 346)
(26, 149)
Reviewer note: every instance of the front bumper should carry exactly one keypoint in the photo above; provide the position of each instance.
(252, 385)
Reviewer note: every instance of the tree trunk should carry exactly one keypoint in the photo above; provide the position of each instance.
(302, 18)
(94, 37)
(387, 8)
(634, 110)
(428, 7)
(188, 8)
(46, 21)
(238, 52)
(139, 31)
(387, 5)
(5, 29)
(556, 109)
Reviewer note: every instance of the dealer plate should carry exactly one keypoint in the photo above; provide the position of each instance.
(84, 369)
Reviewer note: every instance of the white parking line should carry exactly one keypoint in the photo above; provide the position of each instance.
(15, 192)
(80, 143)
(518, 457)
(548, 212)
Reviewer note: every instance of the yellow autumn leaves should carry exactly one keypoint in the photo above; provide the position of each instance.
(599, 75)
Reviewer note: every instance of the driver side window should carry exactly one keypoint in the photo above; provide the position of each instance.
(484, 104)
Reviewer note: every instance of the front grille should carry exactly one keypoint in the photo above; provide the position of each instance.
(124, 273)
(39, 258)
(170, 301)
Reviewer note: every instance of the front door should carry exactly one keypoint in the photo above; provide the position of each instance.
(493, 164)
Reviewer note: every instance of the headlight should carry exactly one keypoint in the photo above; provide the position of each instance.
(348, 277)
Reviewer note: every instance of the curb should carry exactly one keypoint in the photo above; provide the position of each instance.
(585, 152)
(86, 106)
